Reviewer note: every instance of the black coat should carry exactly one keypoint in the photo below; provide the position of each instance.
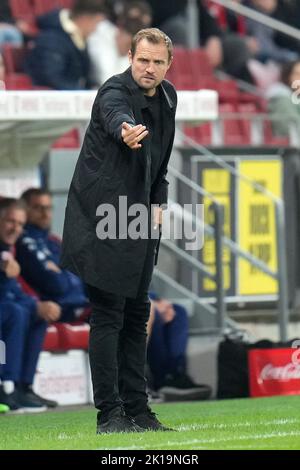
(106, 169)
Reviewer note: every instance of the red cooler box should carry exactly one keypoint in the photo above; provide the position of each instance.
(274, 372)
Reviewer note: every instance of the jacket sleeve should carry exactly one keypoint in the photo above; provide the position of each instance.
(35, 271)
(160, 196)
(115, 108)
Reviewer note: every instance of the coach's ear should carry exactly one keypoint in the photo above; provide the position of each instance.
(170, 63)
(130, 56)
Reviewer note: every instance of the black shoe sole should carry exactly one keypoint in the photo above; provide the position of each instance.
(114, 431)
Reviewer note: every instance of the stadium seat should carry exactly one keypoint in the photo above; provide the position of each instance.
(65, 3)
(232, 131)
(51, 341)
(22, 9)
(228, 91)
(73, 335)
(13, 58)
(18, 81)
(200, 134)
(200, 64)
(70, 140)
(246, 122)
(40, 7)
(182, 71)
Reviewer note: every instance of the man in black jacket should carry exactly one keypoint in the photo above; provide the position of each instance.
(123, 163)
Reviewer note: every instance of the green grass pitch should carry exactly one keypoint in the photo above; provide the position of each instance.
(267, 423)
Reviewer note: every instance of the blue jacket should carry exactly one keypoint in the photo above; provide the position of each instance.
(10, 289)
(35, 249)
(55, 61)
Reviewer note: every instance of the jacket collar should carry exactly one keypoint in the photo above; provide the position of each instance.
(35, 231)
(136, 90)
(70, 28)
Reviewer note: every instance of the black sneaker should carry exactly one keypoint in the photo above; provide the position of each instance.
(182, 388)
(10, 399)
(117, 422)
(149, 422)
(44, 401)
(30, 402)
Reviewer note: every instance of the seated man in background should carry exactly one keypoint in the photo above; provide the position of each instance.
(32, 316)
(10, 29)
(167, 344)
(38, 253)
(59, 57)
(12, 333)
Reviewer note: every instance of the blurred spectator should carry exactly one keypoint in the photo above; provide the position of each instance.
(228, 20)
(167, 344)
(38, 252)
(170, 18)
(226, 50)
(59, 57)
(265, 36)
(280, 104)
(18, 375)
(136, 10)
(10, 30)
(288, 11)
(110, 56)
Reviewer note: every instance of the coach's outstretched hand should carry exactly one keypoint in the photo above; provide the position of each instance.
(132, 136)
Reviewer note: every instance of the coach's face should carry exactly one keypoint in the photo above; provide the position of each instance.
(149, 65)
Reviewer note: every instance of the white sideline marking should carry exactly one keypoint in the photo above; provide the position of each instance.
(198, 427)
(214, 440)
(64, 436)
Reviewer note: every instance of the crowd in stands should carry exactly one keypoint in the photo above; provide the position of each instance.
(35, 292)
(79, 44)
(230, 40)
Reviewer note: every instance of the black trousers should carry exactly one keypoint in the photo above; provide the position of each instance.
(117, 346)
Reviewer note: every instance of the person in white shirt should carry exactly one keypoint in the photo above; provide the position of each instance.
(108, 47)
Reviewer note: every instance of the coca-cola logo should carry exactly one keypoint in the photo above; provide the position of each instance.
(284, 373)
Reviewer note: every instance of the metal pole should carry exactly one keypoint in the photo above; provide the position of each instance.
(260, 17)
(192, 14)
(283, 309)
(220, 293)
